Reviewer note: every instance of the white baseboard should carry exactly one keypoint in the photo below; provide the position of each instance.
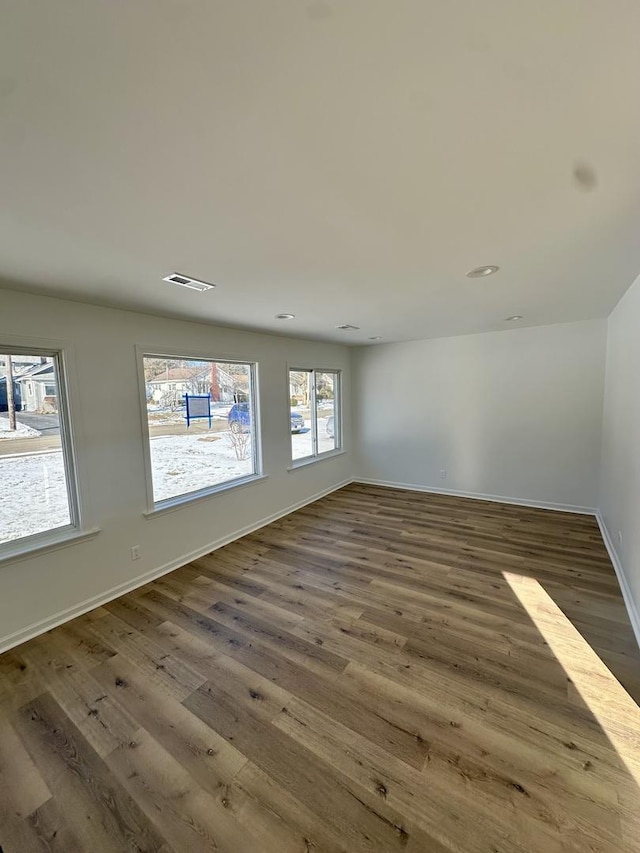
(632, 610)
(37, 628)
(502, 499)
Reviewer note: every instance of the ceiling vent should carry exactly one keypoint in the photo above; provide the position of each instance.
(185, 281)
(347, 327)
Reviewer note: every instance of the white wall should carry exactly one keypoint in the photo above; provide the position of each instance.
(514, 414)
(619, 501)
(100, 352)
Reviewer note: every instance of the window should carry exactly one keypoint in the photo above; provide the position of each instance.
(201, 421)
(38, 500)
(315, 412)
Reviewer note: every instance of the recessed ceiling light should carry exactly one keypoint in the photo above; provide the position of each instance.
(186, 281)
(482, 272)
(347, 327)
(376, 338)
(515, 317)
(285, 316)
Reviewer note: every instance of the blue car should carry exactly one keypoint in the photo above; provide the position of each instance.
(240, 419)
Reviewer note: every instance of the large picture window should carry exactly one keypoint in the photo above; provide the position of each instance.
(315, 412)
(38, 500)
(201, 420)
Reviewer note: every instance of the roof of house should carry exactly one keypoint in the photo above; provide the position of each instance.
(177, 374)
(40, 371)
(187, 374)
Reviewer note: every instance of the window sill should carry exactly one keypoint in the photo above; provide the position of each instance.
(172, 504)
(310, 460)
(62, 539)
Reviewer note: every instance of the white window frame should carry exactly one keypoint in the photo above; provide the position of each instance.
(337, 424)
(74, 531)
(168, 504)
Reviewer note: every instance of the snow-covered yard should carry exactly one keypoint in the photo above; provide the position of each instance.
(186, 463)
(301, 443)
(161, 416)
(21, 431)
(34, 496)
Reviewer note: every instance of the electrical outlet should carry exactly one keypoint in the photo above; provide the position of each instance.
(135, 552)
(620, 537)
(443, 474)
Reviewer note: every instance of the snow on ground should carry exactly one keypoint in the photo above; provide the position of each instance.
(301, 443)
(163, 417)
(33, 496)
(186, 463)
(22, 431)
(159, 416)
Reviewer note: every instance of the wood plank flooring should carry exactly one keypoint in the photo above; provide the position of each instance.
(380, 671)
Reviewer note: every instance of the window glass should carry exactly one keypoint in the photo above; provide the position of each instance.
(38, 492)
(315, 416)
(200, 414)
(301, 427)
(326, 411)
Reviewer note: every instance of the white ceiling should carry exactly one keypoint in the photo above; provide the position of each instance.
(347, 161)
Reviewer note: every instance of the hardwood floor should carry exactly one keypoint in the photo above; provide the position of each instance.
(382, 670)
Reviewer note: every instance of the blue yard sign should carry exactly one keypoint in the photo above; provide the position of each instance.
(198, 406)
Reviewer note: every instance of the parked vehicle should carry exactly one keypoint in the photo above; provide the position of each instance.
(297, 422)
(240, 419)
(331, 426)
(17, 395)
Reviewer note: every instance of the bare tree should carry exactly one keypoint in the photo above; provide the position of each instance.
(11, 403)
(241, 443)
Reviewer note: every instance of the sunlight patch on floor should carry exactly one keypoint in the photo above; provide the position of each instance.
(613, 708)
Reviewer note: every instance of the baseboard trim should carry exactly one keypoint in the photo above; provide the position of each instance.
(44, 625)
(478, 496)
(632, 610)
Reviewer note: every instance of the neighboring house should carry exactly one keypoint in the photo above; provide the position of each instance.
(170, 386)
(299, 387)
(39, 389)
(21, 363)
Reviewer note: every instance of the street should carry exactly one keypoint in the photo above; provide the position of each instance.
(49, 439)
(45, 424)
(49, 426)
